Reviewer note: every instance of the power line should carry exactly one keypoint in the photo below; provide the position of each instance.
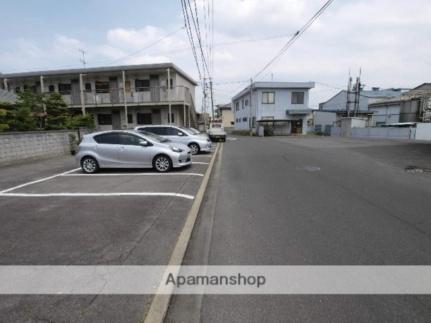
(190, 36)
(295, 36)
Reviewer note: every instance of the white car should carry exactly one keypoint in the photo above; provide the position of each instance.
(130, 149)
(196, 142)
(216, 132)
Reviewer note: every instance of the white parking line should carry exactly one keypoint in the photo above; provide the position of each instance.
(186, 196)
(38, 181)
(200, 163)
(195, 156)
(134, 174)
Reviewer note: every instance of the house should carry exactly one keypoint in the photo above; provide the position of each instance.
(7, 97)
(224, 112)
(412, 106)
(338, 103)
(280, 107)
(119, 96)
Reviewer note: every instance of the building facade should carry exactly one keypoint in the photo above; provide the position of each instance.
(225, 113)
(119, 97)
(282, 108)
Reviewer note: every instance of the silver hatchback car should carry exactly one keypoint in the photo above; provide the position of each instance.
(196, 142)
(130, 149)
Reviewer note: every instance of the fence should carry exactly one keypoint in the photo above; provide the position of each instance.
(21, 146)
(421, 132)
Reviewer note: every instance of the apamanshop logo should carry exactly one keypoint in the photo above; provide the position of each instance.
(215, 280)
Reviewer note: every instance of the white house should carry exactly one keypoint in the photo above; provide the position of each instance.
(281, 107)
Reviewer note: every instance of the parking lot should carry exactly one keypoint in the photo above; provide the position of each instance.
(53, 214)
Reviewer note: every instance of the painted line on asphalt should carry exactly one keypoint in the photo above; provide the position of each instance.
(186, 196)
(38, 181)
(200, 163)
(195, 156)
(133, 174)
(160, 303)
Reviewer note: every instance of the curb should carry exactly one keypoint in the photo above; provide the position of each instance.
(160, 303)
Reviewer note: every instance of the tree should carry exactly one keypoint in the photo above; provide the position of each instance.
(5, 114)
(57, 114)
(80, 121)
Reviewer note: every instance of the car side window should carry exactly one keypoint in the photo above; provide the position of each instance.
(156, 130)
(173, 131)
(107, 138)
(128, 139)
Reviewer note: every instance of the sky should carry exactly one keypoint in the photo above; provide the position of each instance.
(389, 40)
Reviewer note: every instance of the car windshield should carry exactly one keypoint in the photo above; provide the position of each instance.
(153, 136)
(188, 131)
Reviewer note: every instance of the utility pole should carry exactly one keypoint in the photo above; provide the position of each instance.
(212, 99)
(169, 96)
(349, 89)
(357, 93)
(126, 114)
(82, 60)
(81, 92)
(250, 105)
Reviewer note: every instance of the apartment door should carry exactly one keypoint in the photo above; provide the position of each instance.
(116, 120)
(114, 90)
(296, 126)
(155, 88)
(75, 92)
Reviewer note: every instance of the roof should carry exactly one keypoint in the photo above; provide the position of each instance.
(371, 94)
(6, 96)
(275, 85)
(226, 106)
(100, 70)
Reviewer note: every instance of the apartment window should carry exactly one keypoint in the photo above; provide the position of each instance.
(64, 88)
(297, 97)
(268, 97)
(172, 83)
(142, 85)
(104, 119)
(87, 87)
(51, 88)
(144, 118)
(102, 87)
(246, 102)
(244, 119)
(237, 106)
(172, 118)
(130, 118)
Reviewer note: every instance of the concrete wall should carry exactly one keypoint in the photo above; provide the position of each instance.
(423, 131)
(323, 120)
(21, 146)
(386, 114)
(384, 133)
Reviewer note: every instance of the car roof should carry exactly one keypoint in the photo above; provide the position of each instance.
(133, 132)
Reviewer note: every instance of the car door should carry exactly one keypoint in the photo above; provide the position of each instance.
(132, 153)
(177, 135)
(107, 149)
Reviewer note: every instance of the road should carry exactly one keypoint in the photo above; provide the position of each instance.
(312, 201)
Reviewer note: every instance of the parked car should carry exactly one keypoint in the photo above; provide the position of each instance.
(196, 143)
(216, 132)
(130, 149)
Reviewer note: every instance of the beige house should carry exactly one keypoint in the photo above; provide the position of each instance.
(119, 97)
(225, 113)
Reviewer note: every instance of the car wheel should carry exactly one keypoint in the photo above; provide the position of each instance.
(162, 163)
(194, 148)
(89, 165)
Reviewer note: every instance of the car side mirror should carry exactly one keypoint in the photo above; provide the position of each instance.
(144, 143)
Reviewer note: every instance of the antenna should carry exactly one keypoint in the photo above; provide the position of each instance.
(82, 59)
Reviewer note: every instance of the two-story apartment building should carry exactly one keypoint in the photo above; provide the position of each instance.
(283, 107)
(119, 97)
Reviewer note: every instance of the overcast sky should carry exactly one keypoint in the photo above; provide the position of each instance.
(388, 39)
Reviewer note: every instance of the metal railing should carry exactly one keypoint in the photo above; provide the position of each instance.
(114, 96)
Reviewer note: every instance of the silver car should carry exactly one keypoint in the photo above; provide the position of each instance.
(196, 142)
(130, 149)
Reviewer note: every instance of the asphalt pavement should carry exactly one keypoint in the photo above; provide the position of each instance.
(313, 201)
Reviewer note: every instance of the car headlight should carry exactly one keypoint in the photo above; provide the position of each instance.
(176, 149)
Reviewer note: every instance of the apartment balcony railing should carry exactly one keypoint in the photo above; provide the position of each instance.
(135, 96)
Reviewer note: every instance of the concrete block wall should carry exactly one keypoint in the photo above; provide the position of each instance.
(21, 146)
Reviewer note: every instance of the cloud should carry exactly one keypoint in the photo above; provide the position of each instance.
(387, 39)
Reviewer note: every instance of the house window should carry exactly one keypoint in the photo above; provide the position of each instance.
(130, 118)
(268, 97)
(104, 119)
(102, 87)
(51, 88)
(144, 118)
(64, 88)
(142, 85)
(244, 119)
(297, 97)
(87, 87)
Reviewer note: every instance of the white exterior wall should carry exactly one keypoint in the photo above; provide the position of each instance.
(324, 119)
(423, 131)
(386, 115)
